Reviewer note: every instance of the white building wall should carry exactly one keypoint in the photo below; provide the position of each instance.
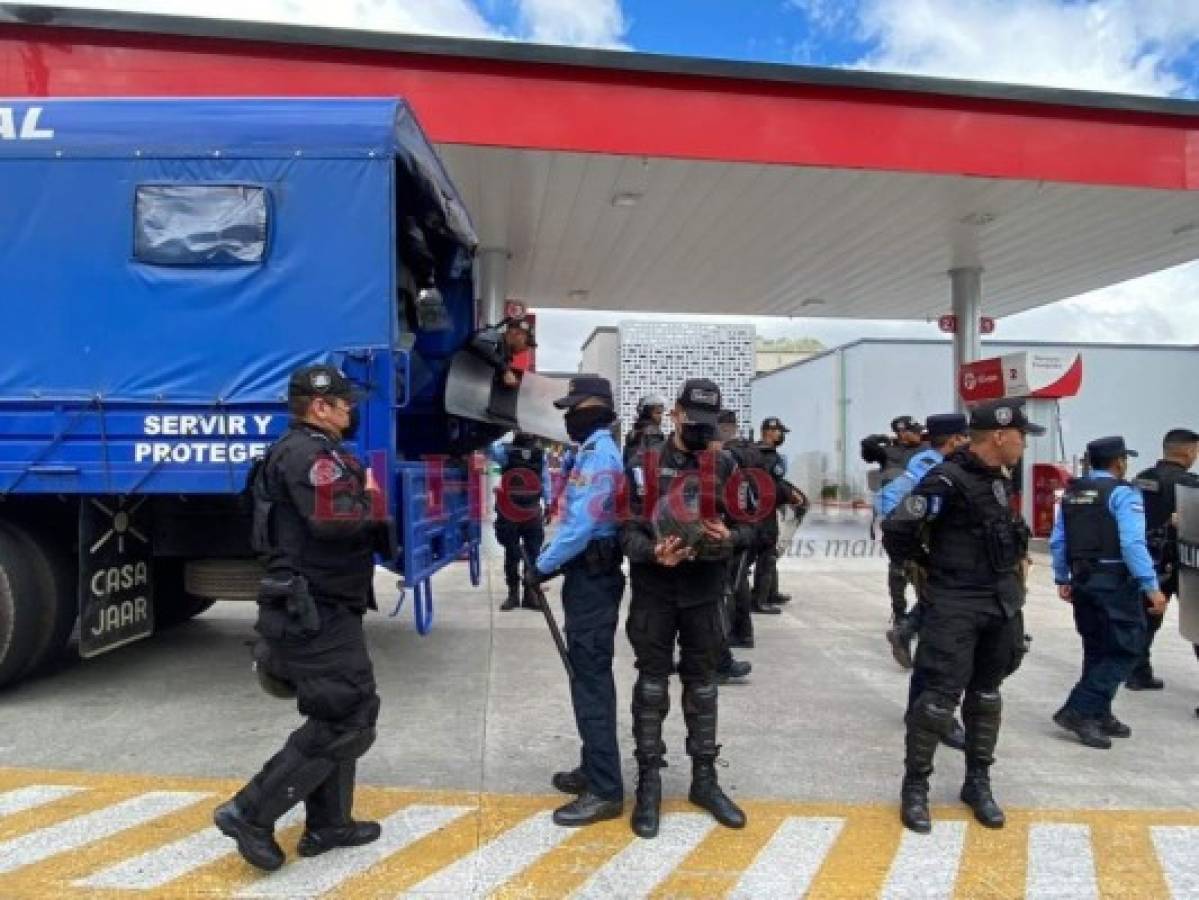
(657, 357)
(805, 398)
(601, 356)
(1135, 390)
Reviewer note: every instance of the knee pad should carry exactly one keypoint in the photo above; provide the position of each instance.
(699, 697)
(350, 745)
(982, 704)
(652, 692)
(932, 712)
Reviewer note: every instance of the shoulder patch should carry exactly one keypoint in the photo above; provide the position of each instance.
(915, 505)
(324, 471)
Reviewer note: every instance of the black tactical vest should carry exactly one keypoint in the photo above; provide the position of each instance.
(1092, 533)
(1157, 485)
(523, 490)
(979, 538)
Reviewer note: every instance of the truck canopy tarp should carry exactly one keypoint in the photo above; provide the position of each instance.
(141, 265)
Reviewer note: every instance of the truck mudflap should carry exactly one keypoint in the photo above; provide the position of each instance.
(116, 587)
(473, 392)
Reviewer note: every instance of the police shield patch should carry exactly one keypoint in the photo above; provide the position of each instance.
(324, 471)
(915, 505)
(1003, 416)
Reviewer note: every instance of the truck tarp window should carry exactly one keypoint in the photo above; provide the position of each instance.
(199, 224)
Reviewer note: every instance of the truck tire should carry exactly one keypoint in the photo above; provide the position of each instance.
(173, 605)
(223, 579)
(55, 572)
(21, 606)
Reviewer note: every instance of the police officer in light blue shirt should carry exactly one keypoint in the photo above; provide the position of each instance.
(1102, 566)
(586, 550)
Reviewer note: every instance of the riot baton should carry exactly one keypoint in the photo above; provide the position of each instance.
(534, 588)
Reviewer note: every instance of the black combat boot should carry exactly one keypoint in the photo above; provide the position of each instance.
(651, 702)
(249, 818)
(1088, 728)
(928, 721)
(699, 711)
(981, 713)
(329, 823)
(255, 843)
(913, 804)
(513, 599)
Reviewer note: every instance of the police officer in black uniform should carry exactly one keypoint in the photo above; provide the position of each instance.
(519, 514)
(1102, 567)
(959, 525)
(766, 596)
(896, 455)
(317, 522)
(678, 538)
(1180, 448)
(646, 433)
(740, 619)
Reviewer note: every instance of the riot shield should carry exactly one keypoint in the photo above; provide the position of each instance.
(1187, 500)
(473, 392)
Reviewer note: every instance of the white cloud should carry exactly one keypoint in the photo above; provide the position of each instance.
(445, 17)
(1128, 46)
(589, 23)
(592, 23)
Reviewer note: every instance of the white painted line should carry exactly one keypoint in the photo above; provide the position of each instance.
(94, 826)
(491, 865)
(642, 865)
(1060, 863)
(160, 866)
(33, 796)
(313, 877)
(926, 865)
(1178, 851)
(790, 860)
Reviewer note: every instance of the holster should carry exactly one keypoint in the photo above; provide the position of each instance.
(602, 556)
(292, 593)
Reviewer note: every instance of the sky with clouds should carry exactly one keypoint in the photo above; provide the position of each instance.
(1133, 46)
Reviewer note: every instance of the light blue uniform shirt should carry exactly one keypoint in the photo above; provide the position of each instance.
(589, 505)
(899, 487)
(498, 454)
(1128, 507)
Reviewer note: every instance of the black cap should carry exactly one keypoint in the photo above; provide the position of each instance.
(774, 422)
(584, 387)
(1103, 450)
(906, 423)
(946, 425)
(1002, 414)
(700, 399)
(321, 381)
(523, 324)
(727, 417)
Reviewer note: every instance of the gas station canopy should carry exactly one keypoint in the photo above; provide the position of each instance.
(628, 181)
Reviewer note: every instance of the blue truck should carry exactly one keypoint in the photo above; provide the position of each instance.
(165, 265)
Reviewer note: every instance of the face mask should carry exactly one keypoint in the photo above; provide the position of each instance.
(782, 440)
(583, 423)
(696, 437)
(351, 430)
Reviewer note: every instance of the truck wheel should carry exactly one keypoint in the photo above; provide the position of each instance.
(55, 572)
(172, 604)
(21, 605)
